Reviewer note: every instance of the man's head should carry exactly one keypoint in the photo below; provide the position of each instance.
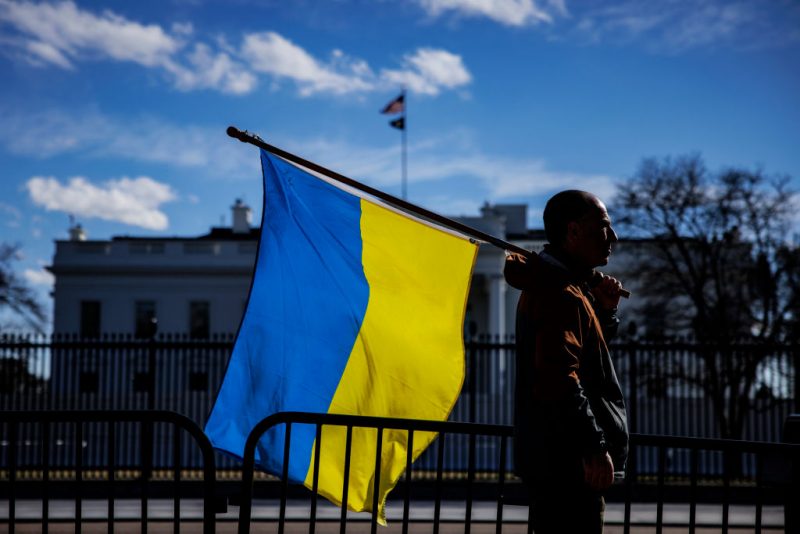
(577, 223)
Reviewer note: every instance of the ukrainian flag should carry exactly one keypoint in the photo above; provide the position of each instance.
(355, 308)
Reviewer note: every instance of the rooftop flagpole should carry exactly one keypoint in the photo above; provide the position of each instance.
(255, 140)
(405, 146)
(399, 105)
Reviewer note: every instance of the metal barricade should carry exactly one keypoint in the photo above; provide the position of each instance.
(474, 433)
(48, 459)
(724, 482)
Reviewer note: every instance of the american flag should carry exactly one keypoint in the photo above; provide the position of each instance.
(395, 106)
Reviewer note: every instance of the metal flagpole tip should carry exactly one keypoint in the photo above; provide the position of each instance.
(244, 136)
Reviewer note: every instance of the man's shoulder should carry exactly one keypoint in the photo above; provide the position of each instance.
(558, 296)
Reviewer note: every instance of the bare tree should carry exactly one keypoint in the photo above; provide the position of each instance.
(16, 378)
(718, 265)
(17, 298)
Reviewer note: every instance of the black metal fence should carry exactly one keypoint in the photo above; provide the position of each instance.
(663, 383)
(73, 456)
(467, 499)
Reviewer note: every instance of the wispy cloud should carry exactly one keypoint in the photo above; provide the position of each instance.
(449, 156)
(133, 201)
(680, 25)
(38, 277)
(507, 12)
(208, 69)
(12, 215)
(63, 35)
(52, 132)
(455, 156)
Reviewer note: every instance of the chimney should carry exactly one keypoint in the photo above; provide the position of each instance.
(76, 232)
(241, 217)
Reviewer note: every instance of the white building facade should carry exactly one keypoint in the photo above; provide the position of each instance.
(196, 286)
(199, 285)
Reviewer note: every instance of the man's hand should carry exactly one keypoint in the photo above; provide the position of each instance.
(598, 471)
(607, 292)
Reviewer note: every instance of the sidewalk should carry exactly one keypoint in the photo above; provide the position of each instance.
(452, 512)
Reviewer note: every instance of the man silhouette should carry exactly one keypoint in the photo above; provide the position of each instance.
(570, 423)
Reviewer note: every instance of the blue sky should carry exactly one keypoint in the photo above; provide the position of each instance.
(115, 112)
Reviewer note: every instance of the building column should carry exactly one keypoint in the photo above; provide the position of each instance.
(497, 305)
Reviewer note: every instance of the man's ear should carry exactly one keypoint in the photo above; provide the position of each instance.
(573, 231)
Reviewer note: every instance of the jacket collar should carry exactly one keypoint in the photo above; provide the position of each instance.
(561, 260)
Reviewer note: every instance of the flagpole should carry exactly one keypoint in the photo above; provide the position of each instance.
(247, 137)
(404, 154)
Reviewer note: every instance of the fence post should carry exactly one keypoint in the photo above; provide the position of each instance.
(791, 434)
(151, 364)
(148, 432)
(795, 350)
(472, 370)
(633, 374)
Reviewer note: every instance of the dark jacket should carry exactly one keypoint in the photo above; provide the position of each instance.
(568, 402)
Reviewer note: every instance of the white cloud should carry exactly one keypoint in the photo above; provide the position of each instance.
(273, 54)
(426, 71)
(210, 70)
(42, 52)
(38, 277)
(61, 32)
(63, 35)
(429, 70)
(133, 201)
(508, 12)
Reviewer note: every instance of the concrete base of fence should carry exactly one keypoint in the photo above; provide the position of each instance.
(422, 512)
(707, 515)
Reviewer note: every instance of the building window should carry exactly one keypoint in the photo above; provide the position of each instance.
(90, 318)
(91, 248)
(140, 247)
(199, 324)
(145, 315)
(204, 248)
